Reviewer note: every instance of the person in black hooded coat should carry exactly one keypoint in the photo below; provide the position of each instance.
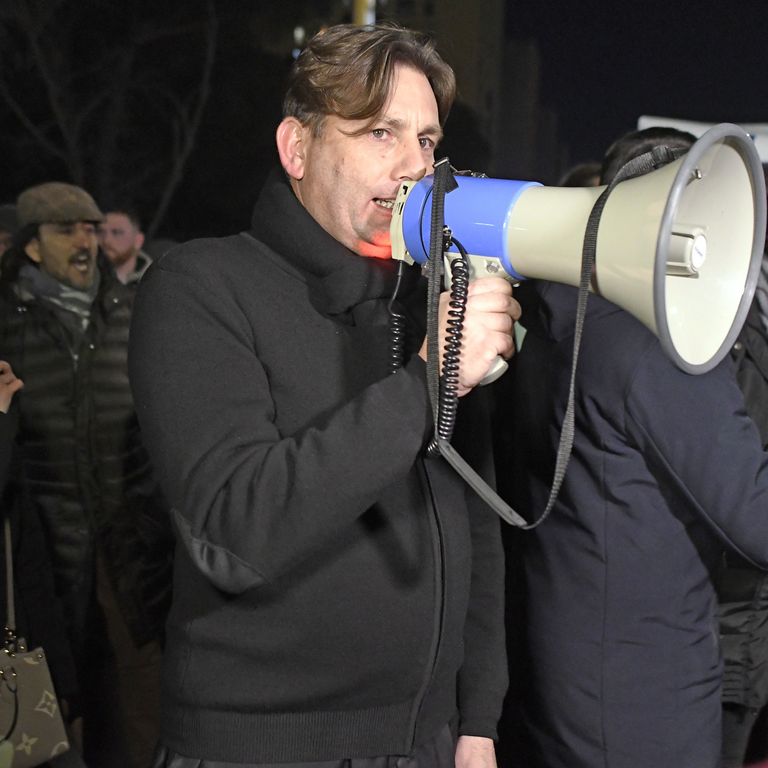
(624, 666)
(743, 589)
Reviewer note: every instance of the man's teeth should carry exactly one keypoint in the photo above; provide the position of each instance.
(390, 204)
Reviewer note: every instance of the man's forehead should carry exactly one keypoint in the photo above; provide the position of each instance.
(116, 217)
(59, 225)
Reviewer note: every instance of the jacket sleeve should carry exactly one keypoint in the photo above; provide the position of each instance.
(695, 431)
(483, 677)
(251, 503)
(8, 427)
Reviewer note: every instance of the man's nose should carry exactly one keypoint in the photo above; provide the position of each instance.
(84, 235)
(413, 165)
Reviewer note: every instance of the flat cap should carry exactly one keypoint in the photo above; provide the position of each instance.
(56, 203)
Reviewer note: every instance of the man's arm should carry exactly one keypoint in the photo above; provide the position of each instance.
(696, 431)
(482, 682)
(249, 501)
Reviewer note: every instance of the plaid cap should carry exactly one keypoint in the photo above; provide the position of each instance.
(56, 203)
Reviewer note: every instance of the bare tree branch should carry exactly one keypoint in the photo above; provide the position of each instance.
(189, 129)
(57, 97)
(29, 124)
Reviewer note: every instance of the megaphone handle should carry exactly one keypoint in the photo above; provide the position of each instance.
(498, 367)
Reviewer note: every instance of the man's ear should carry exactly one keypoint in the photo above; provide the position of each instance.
(291, 145)
(32, 249)
(138, 241)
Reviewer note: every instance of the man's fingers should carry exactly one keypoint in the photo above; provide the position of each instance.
(489, 285)
(492, 294)
(8, 377)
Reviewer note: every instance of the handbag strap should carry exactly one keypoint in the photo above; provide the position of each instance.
(10, 628)
(10, 606)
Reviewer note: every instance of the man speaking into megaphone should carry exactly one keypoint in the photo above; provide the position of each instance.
(620, 625)
(336, 595)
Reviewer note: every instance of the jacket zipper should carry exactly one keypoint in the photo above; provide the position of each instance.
(439, 601)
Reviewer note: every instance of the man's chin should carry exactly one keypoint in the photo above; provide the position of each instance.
(118, 259)
(381, 250)
(80, 282)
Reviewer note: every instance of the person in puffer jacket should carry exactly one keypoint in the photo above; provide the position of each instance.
(82, 467)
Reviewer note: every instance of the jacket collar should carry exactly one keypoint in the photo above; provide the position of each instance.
(111, 293)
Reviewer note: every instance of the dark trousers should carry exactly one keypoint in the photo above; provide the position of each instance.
(438, 753)
(738, 722)
(121, 689)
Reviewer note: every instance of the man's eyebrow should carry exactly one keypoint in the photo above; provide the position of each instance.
(435, 131)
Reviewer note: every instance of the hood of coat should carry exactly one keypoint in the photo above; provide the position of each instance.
(549, 309)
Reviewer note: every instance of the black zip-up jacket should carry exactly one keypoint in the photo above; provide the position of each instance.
(335, 595)
(82, 463)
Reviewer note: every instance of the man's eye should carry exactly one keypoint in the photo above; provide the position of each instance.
(426, 143)
(378, 133)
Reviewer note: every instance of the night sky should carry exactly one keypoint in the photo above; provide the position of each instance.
(606, 63)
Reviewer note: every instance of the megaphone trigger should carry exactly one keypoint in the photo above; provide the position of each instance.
(498, 368)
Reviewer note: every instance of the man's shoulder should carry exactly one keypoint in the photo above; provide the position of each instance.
(198, 253)
(209, 251)
(221, 258)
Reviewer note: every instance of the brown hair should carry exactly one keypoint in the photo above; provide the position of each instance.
(347, 71)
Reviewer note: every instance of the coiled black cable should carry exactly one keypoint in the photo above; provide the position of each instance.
(448, 402)
(396, 327)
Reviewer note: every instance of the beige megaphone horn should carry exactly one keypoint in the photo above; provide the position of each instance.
(679, 248)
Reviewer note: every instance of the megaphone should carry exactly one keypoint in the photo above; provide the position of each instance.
(679, 248)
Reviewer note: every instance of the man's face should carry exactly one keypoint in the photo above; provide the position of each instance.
(67, 252)
(120, 239)
(349, 182)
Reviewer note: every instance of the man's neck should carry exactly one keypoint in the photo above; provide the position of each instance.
(124, 270)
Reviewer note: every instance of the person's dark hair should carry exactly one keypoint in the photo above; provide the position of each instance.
(581, 175)
(347, 71)
(126, 209)
(637, 143)
(13, 259)
(9, 221)
(23, 235)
